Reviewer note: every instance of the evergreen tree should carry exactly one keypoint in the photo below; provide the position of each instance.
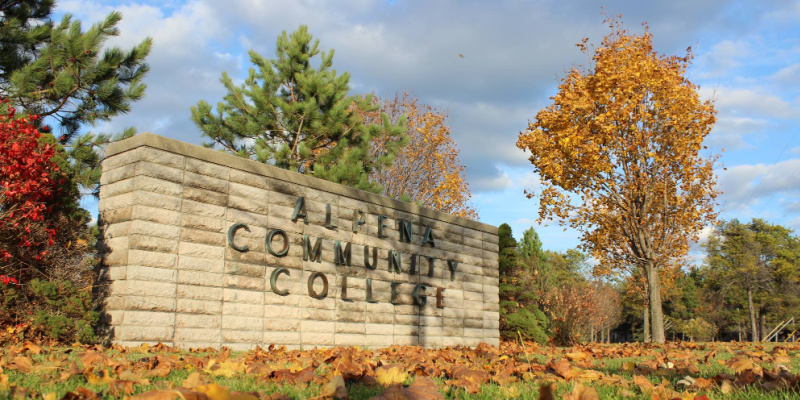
(520, 316)
(59, 73)
(294, 116)
(508, 249)
(530, 249)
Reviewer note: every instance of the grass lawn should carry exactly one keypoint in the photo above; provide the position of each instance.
(513, 371)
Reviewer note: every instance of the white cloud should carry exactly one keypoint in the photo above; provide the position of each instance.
(747, 185)
(730, 131)
(491, 183)
(727, 55)
(740, 101)
(787, 75)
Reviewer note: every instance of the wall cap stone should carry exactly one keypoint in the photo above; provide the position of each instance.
(213, 156)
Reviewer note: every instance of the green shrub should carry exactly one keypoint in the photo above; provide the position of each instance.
(56, 310)
(525, 323)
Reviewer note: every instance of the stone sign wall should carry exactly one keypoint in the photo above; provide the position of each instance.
(205, 249)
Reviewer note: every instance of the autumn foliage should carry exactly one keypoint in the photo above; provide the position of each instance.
(28, 182)
(619, 155)
(427, 169)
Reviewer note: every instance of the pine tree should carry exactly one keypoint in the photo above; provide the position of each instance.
(519, 315)
(62, 74)
(294, 116)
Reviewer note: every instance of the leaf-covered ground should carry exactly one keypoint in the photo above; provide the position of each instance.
(514, 370)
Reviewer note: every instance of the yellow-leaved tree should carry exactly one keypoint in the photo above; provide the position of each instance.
(427, 169)
(619, 156)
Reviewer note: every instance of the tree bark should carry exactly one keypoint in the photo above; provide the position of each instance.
(656, 312)
(764, 327)
(752, 311)
(646, 328)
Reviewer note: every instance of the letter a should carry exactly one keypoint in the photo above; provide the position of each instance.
(300, 210)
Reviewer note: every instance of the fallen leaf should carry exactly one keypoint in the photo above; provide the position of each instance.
(726, 387)
(580, 392)
(546, 392)
(81, 393)
(423, 388)
(389, 374)
(91, 358)
(334, 388)
(170, 394)
(193, 380)
(643, 383)
(98, 377)
(563, 368)
(22, 364)
(119, 388)
(32, 348)
(577, 355)
(702, 383)
(73, 370)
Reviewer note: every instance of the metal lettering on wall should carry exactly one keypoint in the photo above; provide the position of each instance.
(341, 255)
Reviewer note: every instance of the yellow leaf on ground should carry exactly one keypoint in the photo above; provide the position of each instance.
(389, 374)
(213, 391)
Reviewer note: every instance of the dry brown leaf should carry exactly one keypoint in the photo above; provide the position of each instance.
(334, 388)
(170, 394)
(546, 392)
(93, 358)
(32, 348)
(423, 388)
(643, 383)
(590, 375)
(216, 392)
(193, 380)
(98, 377)
(740, 364)
(702, 383)
(577, 355)
(73, 370)
(81, 393)
(303, 376)
(119, 388)
(580, 392)
(21, 364)
(563, 368)
(461, 372)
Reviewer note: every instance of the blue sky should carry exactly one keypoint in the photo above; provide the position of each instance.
(747, 58)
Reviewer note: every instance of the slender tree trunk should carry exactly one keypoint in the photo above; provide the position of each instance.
(764, 327)
(656, 312)
(646, 329)
(752, 311)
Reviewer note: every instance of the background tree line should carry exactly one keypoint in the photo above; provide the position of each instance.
(746, 285)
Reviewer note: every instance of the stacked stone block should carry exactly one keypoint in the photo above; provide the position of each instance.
(166, 209)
